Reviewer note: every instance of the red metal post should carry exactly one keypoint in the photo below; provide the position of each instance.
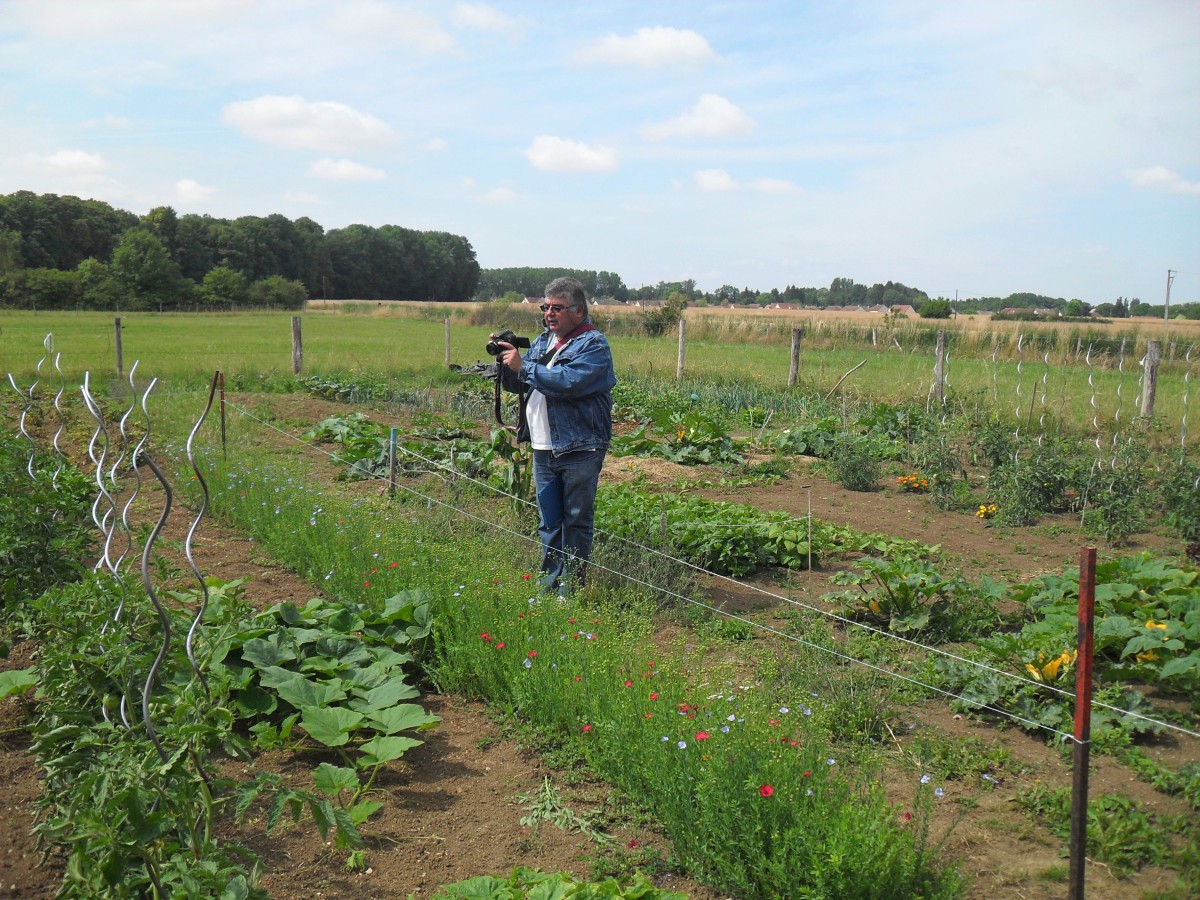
(1083, 720)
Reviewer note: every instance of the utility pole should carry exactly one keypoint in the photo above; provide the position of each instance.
(1167, 305)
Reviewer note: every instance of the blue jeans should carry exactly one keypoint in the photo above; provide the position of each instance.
(566, 496)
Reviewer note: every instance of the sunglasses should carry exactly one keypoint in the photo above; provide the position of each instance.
(553, 307)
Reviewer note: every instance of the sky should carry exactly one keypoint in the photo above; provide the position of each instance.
(969, 148)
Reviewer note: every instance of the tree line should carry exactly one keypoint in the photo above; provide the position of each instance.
(61, 252)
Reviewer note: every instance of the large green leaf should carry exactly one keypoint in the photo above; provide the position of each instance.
(17, 681)
(301, 693)
(330, 725)
(483, 887)
(271, 651)
(381, 749)
(332, 780)
(386, 695)
(403, 717)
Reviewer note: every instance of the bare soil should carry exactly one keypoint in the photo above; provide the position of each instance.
(452, 809)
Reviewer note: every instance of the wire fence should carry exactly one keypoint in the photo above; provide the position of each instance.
(111, 520)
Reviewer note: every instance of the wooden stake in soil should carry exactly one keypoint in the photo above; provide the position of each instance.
(1150, 380)
(392, 461)
(297, 347)
(1083, 720)
(679, 360)
(794, 367)
(120, 355)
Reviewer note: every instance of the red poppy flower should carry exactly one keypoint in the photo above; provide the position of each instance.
(632, 842)
(366, 584)
(907, 816)
(587, 728)
(649, 715)
(628, 684)
(485, 636)
(654, 696)
(579, 678)
(650, 664)
(808, 773)
(500, 645)
(526, 577)
(702, 735)
(395, 564)
(766, 790)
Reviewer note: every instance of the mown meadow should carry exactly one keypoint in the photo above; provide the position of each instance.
(762, 744)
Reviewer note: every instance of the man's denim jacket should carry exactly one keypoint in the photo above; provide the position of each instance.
(577, 388)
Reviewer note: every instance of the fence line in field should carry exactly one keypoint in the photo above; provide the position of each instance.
(454, 474)
(102, 520)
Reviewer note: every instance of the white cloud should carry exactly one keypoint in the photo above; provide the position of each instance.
(712, 116)
(715, 180)
(296, 123)
(378, 20)
(98, 18)
(73, 162)
(500, 195)
(555, 154)
(712, 180)
(436, 145)
(482, 17)
(650, 48)
(772, 186)
(1160, 178)
(344, 170)
(189, 192)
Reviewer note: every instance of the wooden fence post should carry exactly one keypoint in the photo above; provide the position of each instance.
(1150, 381)
(939, 369)
(679, 360)
(120, 355)
(297, 347)
(794, 367)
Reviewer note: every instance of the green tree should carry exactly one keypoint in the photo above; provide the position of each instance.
(935, 309)
(99, 289)
(223, 288)
(277, 292)
(144, 272)
(1076, 308)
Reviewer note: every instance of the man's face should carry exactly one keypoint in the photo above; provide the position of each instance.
(560, 318)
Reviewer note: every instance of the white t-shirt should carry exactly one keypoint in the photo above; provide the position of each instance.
(535, 414)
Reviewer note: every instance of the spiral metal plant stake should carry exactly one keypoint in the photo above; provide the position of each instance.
(187, 544)
(107, 522)
(1017, 409)
(141, 456)
(1187, 376)
(1042, 399)
(26, 404)
(1097, 464)
(58, 412)
(123, 522)
(1120, 389)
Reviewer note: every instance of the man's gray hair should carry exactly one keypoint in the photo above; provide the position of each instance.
(571, 290)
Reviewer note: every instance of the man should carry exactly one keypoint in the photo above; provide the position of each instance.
(565, 380)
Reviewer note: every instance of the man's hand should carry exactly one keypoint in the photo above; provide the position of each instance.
(511, 356)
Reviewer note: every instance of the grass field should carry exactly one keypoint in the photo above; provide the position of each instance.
(1047, 379)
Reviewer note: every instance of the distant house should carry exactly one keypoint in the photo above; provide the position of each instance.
(904, 309)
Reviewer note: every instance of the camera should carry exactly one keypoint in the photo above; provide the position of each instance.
(494, 349)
